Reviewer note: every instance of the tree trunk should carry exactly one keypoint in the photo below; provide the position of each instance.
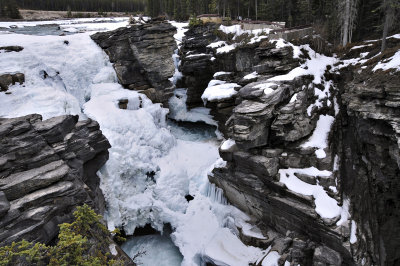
(256, 11)
(388, 17)
(346, 23)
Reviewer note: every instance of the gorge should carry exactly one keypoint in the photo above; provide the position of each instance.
(240, 148)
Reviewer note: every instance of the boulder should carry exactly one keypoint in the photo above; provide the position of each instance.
(10, 79)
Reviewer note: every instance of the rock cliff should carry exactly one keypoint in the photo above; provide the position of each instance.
(142, 57)
(47, 168)
(313, 157)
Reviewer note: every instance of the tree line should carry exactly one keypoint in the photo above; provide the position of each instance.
(341, 21)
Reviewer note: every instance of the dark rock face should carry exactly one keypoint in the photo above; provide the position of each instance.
(10, 79)
(142, 57)
(197, 65)
(370, 156)
(46, 169)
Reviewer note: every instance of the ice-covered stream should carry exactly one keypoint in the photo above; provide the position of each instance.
(153, 163)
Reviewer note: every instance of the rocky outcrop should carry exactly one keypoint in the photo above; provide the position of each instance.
(10, 79)
(197, 65)
(270, 123)
(47, 168)
(142, 57)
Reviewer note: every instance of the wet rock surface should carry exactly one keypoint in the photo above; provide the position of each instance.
(47, 168)
(142, 57)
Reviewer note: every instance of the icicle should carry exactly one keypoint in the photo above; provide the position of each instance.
(216, 194)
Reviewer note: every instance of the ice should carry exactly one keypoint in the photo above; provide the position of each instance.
(154, 249)
(353, 236)
(326, 206)
(392, 62)
(63, 91)
(216, 194)
(219, 92)
(179, 111)
(319, 138)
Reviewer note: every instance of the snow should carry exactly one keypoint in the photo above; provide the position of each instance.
(113, 249)
(360, 46)
(236, 30)
(319, 138)
(220, 73)
(251, 76)
(345, 214)
(271, 259)
(84, 24)
(353, 236)
(226, 249)
(217, 44)
(396, 36)
(222, 91)
(257, 39)
(226, 48)
(266, 87)
(294, 98)
(257, 34)
(227, 144)
(315, 66)
(181, 28)
(195, 55)
(392, 62)
(326, 206)
(281, 43)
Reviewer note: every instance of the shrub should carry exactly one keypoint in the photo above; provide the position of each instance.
(82, 242)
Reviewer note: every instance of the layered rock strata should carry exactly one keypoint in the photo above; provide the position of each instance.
(47, 168)
(273, 126)
(142, 57)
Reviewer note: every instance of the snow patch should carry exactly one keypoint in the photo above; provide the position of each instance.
(326, 206)
(319, 138)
